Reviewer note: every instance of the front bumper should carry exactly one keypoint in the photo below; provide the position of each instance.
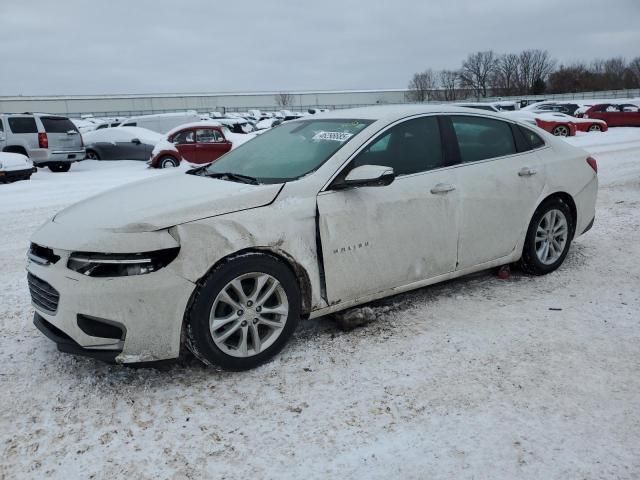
(149, 308)
(12, 175)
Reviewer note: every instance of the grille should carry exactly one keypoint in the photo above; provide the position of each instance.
(43, 295)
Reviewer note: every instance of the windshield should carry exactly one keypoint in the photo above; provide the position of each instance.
(289, 151)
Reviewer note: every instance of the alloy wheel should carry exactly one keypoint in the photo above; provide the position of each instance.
(561, 131)
(248, 315)
(551, 236)
(594, 128)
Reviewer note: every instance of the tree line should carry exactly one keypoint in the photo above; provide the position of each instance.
(530, 72)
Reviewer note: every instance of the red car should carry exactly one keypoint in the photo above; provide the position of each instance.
(195, 143)
(622, 115)
(560, 127)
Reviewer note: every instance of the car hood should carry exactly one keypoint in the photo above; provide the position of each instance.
(163, 202)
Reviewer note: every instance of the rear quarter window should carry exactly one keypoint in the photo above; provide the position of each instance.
(57, 124)
(23, 125)
(532, 137)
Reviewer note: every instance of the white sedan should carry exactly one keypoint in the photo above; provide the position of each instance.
(312, 217)
(15, 166)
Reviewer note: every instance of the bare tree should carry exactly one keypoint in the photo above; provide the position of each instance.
(506, 74)
(634, 68)
(477, 71)
(534, 66)
(284, 99)
(422, 86)
(449, 83)
(614, 73)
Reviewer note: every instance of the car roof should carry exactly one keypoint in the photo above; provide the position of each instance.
(391, 113)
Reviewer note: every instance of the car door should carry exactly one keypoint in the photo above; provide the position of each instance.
(186, 144)
(380, 237)
(210, 144)
(500, 180)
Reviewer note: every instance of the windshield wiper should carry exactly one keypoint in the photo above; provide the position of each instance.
(234, 177)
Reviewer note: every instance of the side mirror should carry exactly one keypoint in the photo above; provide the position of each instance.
(136, 141)
(369, 176)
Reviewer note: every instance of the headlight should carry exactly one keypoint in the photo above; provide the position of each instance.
(120, 264)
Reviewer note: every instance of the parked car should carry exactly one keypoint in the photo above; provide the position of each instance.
(122, 143)
(566, 108)
(48, 140)
(162, 122)
(560, 126)
(268, 123)
(616, 115)
(15, 166)
(582, 124)
(200, 142)
(312, 217)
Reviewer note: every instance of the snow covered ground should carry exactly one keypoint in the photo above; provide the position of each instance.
(478, 378)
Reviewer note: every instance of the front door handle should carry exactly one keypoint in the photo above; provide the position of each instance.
(443, 188)
(527, 172)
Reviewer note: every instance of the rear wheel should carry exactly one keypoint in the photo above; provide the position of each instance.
(166, 162)
(92, 155)
(595, 128)
(548, 237)
(244, 312)
(561, 131)
(59, 167)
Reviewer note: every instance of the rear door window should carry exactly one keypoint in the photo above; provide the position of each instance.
(57, 125)
(481, 138)
(23, 125)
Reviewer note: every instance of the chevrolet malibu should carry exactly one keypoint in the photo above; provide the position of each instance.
(312, 217)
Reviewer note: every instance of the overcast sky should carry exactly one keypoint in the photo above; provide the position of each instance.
(139, 46)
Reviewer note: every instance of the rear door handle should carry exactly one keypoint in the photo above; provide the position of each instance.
(443, 188)
(527, 172)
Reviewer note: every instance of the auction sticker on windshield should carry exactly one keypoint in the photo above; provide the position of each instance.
(334, 136)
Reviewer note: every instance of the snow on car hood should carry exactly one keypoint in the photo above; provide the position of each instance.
(163, 202)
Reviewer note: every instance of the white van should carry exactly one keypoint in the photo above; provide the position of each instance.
(162, 122)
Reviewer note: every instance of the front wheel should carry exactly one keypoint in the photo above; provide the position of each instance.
(166, 162)
(595, 128)
(91, 155)
(244, 313)
(59, 167)
(548, 237)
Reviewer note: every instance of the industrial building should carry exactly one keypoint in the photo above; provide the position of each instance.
(141, 104)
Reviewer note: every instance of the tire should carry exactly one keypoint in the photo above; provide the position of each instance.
(92, 155)
(533, 259)
(561, 131)
(595, 128)
(59, 167)
(168, 161)
(267, 284)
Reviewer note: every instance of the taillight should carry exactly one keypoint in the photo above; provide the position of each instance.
(43, 141)
(593, 164)
(81, 140)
